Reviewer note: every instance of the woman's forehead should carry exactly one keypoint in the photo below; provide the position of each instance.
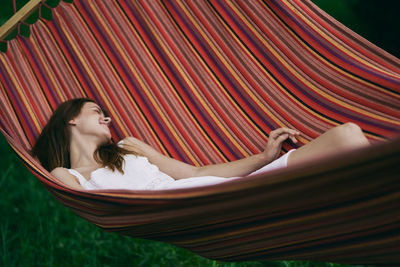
(91, 105)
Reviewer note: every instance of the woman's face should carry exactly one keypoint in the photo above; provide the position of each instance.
(92, 122)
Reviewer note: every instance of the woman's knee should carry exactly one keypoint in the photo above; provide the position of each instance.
(350, 134)
(350, 129)
(342, 138)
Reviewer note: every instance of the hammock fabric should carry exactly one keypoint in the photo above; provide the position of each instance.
(205, 82)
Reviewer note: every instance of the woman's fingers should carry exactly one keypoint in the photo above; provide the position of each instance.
(285, 131)
(293, 138)
(280, 131)
(282, 138)
(275, 140)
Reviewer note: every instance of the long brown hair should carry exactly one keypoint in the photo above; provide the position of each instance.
(53, 144)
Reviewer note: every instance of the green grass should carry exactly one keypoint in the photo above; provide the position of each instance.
(36, 230)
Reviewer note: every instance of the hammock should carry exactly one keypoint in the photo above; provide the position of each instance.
(205, 82)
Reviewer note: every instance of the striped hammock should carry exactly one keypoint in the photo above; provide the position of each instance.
(205, 82)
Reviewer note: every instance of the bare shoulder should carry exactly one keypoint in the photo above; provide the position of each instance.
(130, 140)
(65, 177)
(135, 145)
(59, 171)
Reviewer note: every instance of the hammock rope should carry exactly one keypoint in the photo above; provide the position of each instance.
(205, 82)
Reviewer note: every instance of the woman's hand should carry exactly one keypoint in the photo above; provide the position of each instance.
(275, 140)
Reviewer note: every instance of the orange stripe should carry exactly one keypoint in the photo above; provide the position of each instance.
(21, 93)
(336, 44)
(198, 96)
(305, 81)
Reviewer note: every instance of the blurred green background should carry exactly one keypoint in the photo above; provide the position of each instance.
(35, 230)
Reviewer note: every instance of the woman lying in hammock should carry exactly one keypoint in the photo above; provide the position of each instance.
(76, 147)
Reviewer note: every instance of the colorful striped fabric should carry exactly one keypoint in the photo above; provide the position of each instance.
(205, 82)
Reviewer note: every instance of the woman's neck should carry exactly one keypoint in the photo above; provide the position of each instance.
(81, 154)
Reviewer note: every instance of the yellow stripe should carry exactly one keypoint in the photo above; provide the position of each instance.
(285, 223)
(54, 86)
(178, 98)
(48, 70)
(126, 59)
(212, 75)
(350, 76)
(307, 83)
(90, 73)
(149, 95)
(234, 142)
(22, 95)
(171, 86)
(187, 80)
(132, 101)
(34, 116)
(66, 64)
(274, 80)
(75, 200)
(16, 146)
(336, 44)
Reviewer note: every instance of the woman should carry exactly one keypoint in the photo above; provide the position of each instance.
(76, 147)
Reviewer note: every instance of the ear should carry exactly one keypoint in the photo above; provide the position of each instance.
(72, 122)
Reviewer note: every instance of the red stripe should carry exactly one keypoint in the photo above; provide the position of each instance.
(370, 53)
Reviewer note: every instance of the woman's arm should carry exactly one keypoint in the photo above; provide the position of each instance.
(242, 167)
(250, 164)
(65, 177)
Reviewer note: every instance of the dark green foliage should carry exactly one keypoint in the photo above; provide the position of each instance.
(377, 21)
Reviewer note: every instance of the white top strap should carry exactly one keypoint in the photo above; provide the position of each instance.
(80, 177)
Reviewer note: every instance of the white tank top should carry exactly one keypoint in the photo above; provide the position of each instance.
(139, 174)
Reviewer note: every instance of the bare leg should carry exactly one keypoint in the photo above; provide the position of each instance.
(346, 137)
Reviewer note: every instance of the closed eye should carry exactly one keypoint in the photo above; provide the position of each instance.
(98, 110)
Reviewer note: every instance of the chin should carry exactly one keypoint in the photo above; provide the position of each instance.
(106, 140)
(108, 136)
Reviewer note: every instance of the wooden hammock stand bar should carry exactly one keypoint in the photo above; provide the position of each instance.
(18, 17)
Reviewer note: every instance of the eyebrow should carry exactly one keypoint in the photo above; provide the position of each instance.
(104, 111)
(98, 108)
